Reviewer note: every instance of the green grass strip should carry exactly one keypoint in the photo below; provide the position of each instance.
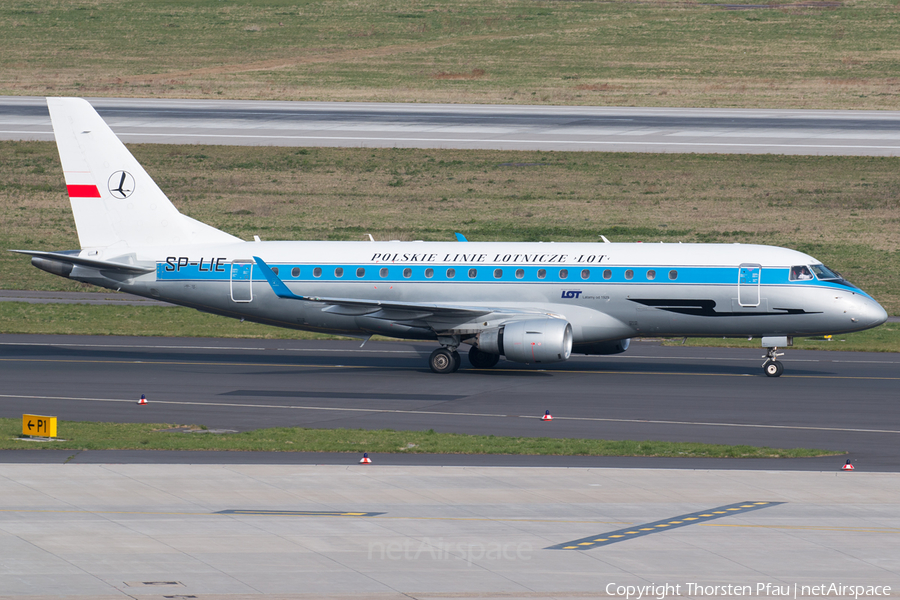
(79, 435)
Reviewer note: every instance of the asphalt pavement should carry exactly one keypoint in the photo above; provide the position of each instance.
(829, 400)
(504, 127)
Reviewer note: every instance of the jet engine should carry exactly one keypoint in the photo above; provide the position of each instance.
(532, 341)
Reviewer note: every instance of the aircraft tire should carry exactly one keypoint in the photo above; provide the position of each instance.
(442, 361)
(481, 359)
(457, 361)
(773, 368)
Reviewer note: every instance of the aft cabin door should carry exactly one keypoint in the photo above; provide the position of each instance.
(748, 284)
(242, 280)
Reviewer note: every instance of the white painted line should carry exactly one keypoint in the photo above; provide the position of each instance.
(288, 407)
(494, 141)
(454, 414)
(151, 346)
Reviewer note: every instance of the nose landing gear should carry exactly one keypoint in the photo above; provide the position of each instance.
(772, 366)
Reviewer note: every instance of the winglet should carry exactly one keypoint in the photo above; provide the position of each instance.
(276, 284)
(461, 238)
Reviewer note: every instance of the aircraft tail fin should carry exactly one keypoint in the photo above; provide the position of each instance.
(114, 200)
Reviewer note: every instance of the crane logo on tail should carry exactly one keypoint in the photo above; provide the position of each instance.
(121, 184)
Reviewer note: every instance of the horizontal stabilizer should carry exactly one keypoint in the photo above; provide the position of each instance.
(74, 259)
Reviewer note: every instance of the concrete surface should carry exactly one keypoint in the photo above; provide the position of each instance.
(98, 531)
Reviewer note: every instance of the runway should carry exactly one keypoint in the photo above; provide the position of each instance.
(829, 400)
(504, 127)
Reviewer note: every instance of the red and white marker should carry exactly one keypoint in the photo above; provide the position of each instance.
(143, 399)
(547, 416)
(365, 460)
(848, 466)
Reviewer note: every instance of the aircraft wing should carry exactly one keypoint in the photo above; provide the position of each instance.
(439, 316)
(75, 259)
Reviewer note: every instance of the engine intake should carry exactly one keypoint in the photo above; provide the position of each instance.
(532, 341)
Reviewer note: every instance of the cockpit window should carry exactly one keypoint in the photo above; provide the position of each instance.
(823, 272)
(800, 273)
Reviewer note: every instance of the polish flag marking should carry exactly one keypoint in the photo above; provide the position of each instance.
(83, 191)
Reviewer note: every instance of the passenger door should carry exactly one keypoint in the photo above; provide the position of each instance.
(242, 280)
(748, 284)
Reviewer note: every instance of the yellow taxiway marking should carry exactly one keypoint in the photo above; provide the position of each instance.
(251, 512)
(625, 534)
(381, 368)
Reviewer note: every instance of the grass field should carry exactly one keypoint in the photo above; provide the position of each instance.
(138, 436)
(806, 54)
(844, 211)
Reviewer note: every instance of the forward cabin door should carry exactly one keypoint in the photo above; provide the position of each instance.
(748, 284)
(242, 280)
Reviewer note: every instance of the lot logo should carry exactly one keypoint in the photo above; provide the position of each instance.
(121, 184)
(571, 293)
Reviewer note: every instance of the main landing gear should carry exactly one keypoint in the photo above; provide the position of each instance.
(444, 360)
(773, 367)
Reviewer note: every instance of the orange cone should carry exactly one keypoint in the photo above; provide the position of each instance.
(848, 466)
(365, 460)
(547, 416)
(143, 399)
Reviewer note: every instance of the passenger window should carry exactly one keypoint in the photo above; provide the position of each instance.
(498, 273)
(383, 272)
(629, 274)
(607, 274)
(800, 273)
(542, 273)
(275, 270)
(651, 274)
(360, 272)
(295, 272)
(429, 273)
(585, 273)
(673, 274)
(520, 273)
(339, 272)
(317, 272)
(563, 273)
(473, 273)
(407, 272)
(451, 273)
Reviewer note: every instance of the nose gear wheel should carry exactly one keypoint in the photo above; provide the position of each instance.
(772, 367)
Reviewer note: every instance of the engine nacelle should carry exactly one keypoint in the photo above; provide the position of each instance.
(57, 267)
(532, 341)
(613, 347)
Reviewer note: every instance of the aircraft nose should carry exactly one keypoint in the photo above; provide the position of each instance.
(872, 314)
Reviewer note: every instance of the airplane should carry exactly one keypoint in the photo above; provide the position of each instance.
(536, 302)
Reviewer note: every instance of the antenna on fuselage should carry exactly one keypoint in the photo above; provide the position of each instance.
(605, 241)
